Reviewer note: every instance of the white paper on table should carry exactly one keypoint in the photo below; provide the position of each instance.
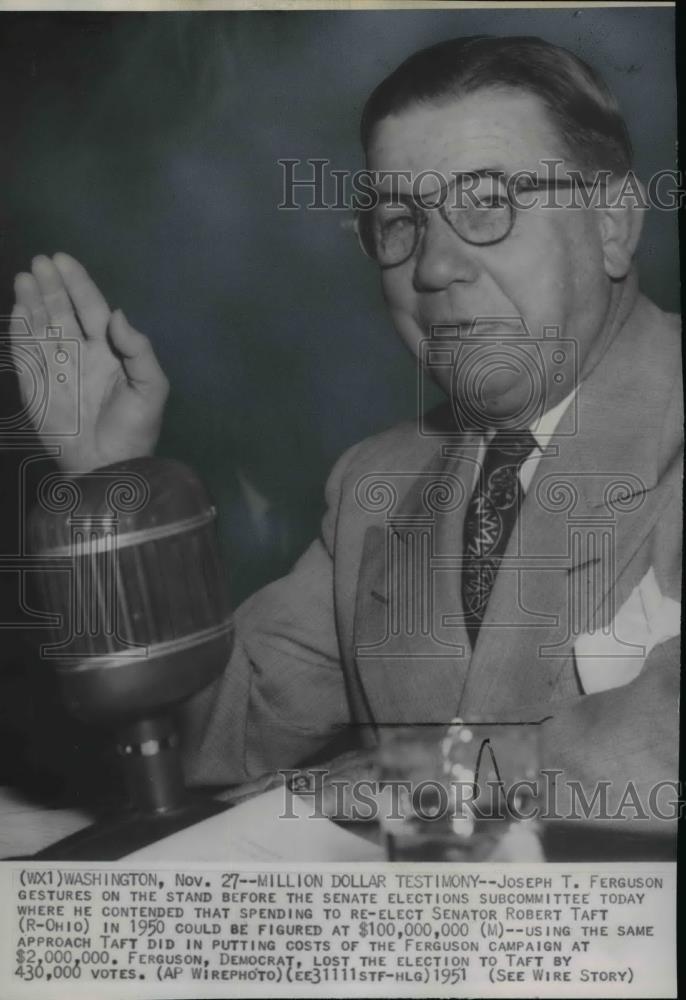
(253, 831)
(27, 826)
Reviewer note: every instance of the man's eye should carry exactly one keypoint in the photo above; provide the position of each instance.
(396, 221)
(390, 212)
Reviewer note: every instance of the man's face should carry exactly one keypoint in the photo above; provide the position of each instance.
(549, 270)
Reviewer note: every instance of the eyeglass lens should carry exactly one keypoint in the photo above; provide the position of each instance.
(477, 209)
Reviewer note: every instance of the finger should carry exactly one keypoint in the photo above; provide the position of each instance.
(91, 307)
(55, 298)
(28, 357)
(20, 321)
(29, 298)
(138, 358)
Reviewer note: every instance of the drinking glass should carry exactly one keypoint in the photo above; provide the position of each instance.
(466, 791)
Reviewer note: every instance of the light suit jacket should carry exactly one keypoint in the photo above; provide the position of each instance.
(367, 628)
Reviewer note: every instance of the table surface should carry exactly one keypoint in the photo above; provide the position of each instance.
(249, 828)
(28, 826)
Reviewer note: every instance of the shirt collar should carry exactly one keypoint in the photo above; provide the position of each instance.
(544, 428)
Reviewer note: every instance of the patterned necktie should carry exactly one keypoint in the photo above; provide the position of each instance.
(491, 515)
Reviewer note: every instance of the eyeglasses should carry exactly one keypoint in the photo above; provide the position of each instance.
(478, 207)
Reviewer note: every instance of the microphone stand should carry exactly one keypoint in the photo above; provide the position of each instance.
(158, 804)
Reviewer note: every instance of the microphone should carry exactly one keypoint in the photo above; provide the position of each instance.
(131, 573)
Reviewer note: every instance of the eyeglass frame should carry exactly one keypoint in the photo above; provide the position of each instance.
(422, 211)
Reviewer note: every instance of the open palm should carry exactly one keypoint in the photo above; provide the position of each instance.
(90, 382)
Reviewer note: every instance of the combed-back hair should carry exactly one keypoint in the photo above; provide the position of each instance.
(581, 106)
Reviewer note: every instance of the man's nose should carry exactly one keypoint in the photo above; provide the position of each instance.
(442, 257)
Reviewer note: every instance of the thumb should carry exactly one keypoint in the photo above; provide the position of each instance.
(138, 359)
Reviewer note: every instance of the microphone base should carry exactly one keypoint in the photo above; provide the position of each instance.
(111, 838)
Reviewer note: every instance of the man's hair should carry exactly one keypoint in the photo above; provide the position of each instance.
(580, 104)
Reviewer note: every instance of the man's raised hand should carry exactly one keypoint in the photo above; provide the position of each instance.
(105, 389)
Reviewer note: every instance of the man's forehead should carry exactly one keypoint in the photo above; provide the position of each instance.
(497, 129)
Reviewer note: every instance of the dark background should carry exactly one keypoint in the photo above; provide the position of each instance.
(146, 145)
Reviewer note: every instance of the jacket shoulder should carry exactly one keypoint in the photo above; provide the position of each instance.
(662, 329)
(411, 442)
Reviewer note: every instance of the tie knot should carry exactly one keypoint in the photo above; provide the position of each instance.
(510, 448)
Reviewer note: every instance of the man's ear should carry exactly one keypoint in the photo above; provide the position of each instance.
(621, 221)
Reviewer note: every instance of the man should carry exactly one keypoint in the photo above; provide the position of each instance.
(515, 553)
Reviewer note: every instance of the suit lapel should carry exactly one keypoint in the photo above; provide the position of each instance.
(411, 648)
